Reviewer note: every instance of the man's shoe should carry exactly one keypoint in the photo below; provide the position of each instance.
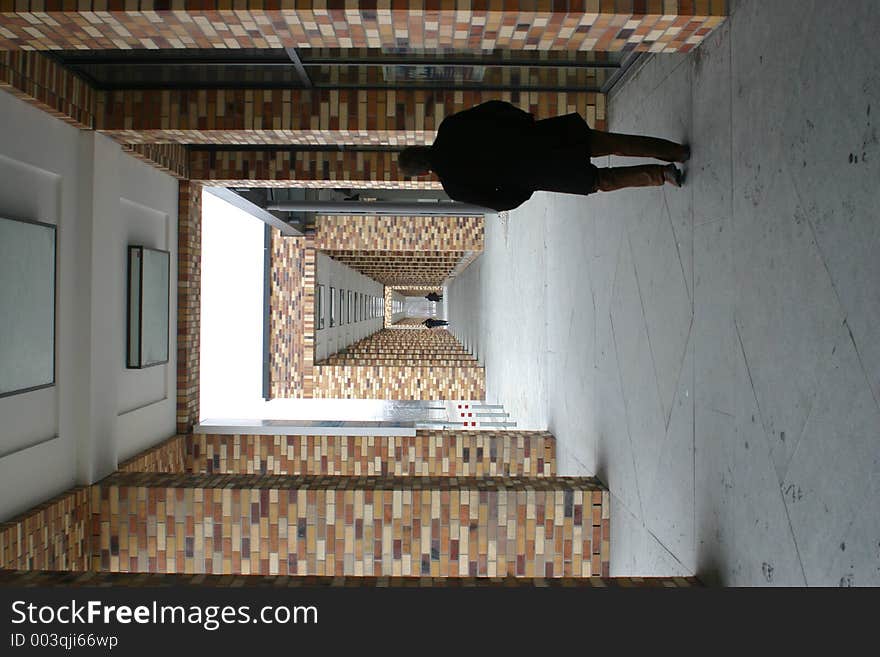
(673, 175)
(686, 150)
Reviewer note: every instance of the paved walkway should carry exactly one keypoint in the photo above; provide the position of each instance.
(712, 353)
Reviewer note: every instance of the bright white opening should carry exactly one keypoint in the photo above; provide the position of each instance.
(232, 309)
(231, 374)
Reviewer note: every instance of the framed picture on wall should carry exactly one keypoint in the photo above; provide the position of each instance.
(27, 305)
(149, 287)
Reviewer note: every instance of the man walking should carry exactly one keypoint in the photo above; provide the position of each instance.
(496, 155)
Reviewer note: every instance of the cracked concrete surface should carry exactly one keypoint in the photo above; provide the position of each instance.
(712, 352)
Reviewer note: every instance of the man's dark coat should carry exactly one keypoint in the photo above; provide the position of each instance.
(495, 155)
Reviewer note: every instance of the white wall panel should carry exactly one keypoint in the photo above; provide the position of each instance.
(100, 199)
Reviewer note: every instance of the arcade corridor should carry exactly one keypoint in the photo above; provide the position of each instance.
(686, 381)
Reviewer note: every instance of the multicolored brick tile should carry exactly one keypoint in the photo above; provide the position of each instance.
(434, 453)
(319, 117)
(402, 365)
(55, 535)
(351, 526)
(189, 303)
(656, 25)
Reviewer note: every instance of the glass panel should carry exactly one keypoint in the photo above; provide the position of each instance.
(154, 316)
(512, 78)
(440, 56)
(344, 68)
(27, 305)
(185, 68)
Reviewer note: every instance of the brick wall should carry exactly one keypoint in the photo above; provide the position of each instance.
(392, 233)
(389, 301)
(424, 344)
(393, 359)
(657, 25)
(309, 169)
(402, 365)
(173, 159)
(364, 117)
(399, 382)
(44, 83)
(401, 251)
(372, 526)
(167, 456)
(292, 316)
(428, 453)
(402, 267)
(52, 536)
(40, 81)
(189, 300)
(257, 515)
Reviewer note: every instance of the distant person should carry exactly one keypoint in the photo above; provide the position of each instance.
(434, 323)
(433, 296)
(496, 155)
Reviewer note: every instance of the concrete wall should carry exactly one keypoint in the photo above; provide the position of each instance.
(133, 204)
(101, 200)
(330, 340)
